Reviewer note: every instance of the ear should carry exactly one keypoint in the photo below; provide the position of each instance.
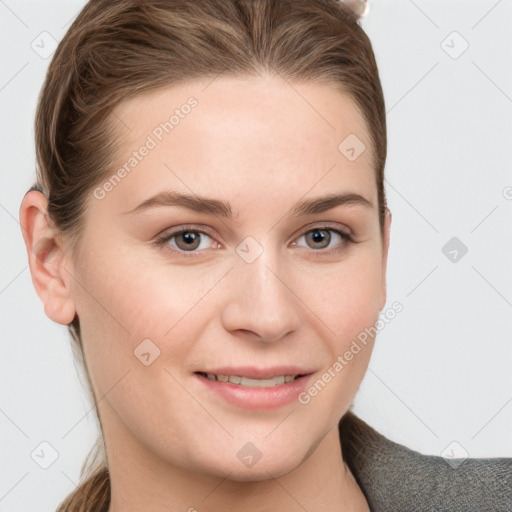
(385, 251)
(47, 258)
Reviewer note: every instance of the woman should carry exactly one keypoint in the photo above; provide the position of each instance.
(210, 221)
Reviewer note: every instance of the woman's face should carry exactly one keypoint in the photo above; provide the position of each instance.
(265, 282)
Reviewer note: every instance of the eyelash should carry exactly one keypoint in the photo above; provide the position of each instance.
(162, 239)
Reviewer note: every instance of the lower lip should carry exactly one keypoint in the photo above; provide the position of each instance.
(257, 398)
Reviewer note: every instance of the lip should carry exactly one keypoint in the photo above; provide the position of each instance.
(257, 398)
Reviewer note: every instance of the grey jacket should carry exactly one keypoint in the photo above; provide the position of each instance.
(397, 479)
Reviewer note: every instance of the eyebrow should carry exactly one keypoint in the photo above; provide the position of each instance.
(223, 208)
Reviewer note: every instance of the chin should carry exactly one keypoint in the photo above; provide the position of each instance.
(252, 464)
(263, 470)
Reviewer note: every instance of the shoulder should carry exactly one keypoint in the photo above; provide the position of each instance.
(396, 478)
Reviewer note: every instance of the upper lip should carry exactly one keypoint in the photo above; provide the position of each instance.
(251, 372)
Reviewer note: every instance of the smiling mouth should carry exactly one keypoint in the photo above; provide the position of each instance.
(251, 383)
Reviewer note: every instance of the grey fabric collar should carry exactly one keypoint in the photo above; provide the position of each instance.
(395, 478)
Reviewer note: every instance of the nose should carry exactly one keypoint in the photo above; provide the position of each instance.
(261, 301)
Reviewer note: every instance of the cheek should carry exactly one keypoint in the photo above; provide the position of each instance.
(348, 304)
(348, 297)
(137, 293)
(129, 299)
(123, 304)
(349, 309)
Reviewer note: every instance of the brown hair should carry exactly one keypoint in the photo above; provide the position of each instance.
(117, 49)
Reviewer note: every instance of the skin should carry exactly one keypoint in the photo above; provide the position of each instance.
(262, 145)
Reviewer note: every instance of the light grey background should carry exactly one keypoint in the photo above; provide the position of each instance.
(440, 371)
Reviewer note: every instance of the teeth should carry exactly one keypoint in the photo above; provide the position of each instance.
(260, 383)
(252, 383)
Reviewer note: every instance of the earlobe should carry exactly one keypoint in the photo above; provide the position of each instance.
(46, 258)
(385, 251)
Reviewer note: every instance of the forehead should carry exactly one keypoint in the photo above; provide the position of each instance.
(270, 104)
(245, 135)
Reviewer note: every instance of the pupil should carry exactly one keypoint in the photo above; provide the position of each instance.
(190, 240)
(320, 236)
(189, 237)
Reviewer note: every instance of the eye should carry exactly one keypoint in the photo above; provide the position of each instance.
(190, 241)
(321, 237)
(186, 240)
